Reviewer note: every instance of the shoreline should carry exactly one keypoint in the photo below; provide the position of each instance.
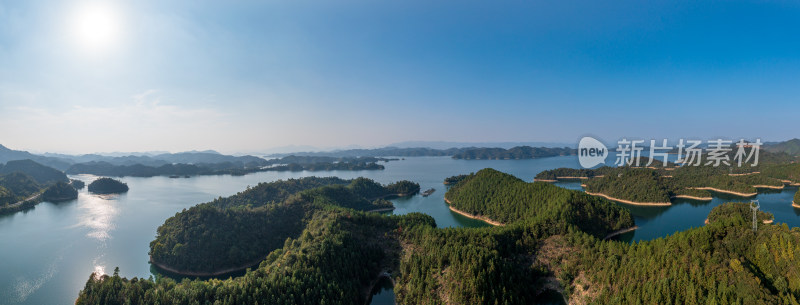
(766, 221)
(203, 274)
(795, 205)
(725, 191)
(628, 201)
(761, 186)
(382, 209)
(468, 215)
(790, 183)
(22, 205)
(693, 197)
(620, 232)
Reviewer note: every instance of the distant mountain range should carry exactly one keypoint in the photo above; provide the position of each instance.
(496, 150)
(63, 161)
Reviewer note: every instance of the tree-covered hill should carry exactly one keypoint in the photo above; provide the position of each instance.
(790, 147)
(658, 185)
(334, 261)
(507, 199)
(339, 253)
(17, 186)
(724, 262)
(237, 231)
(41, 173)
(634, 184)
(107, 186)
(60, 192)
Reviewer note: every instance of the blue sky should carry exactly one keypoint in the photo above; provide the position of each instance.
(241, 76)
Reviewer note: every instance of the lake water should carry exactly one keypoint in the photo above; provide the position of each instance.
(49, 252)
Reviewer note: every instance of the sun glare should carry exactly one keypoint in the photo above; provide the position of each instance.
(95, 27)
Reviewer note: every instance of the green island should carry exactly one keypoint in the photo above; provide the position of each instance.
(107, 185)
(553, 240)
(237, 232)
(519, 152)
(77, 184)
(23, 183)
(455, 179)
(658, 185)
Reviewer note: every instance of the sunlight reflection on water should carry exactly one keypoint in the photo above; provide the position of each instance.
(99, 212)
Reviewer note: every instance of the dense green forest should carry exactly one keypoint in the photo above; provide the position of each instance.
(238, 231)
(659, 184)
(107, 186)
(634, 184)
(505, 198)
(724, 262)
(519, 152)
(456, 179)
(339, 253)
(15, 188)
(60, 191)
(334, 261)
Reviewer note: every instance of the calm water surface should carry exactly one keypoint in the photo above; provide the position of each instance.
(49, 252)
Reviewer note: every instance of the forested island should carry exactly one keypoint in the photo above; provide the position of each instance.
(107, 186)
(519, 152)
(507, 199)
(455, 179)
(245, 227)
(77, 184)
(335, 254)
(657, 185)
(552, 241)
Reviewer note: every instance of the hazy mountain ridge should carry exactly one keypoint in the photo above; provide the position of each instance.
(791, 147)
(64, 161)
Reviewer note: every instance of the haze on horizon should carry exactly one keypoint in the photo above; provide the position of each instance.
(87, 76)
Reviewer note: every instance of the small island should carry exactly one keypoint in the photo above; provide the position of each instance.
(59, 192)
(77, 184)
(107, 186)
(455, 179)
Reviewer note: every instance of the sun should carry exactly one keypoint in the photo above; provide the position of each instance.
(96, 27)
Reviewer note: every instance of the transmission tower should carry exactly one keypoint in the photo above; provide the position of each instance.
(754, 206)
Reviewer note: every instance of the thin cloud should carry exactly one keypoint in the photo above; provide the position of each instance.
(143, 120)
